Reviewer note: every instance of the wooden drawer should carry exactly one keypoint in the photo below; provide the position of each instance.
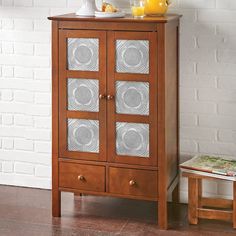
(84, 177)
(133, 182)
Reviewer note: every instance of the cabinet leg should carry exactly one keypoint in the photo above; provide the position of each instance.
(199, 192)
(56, 203)
(193, 195)
(175, 194)
(162, 215)
(234, 205)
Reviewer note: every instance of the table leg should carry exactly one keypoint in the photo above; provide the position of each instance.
(193, 195)
(199, 192)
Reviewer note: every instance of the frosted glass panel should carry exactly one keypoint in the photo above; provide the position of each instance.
(132, 139)
(83, 135)
(132, 98)
(83, 54)
(83, 95)
(132, 56)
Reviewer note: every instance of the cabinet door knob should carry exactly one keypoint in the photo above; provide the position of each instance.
(81, 178)
(102, 96)
(132, 183)
(110, 97)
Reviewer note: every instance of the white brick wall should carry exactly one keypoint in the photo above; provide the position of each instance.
(207, 85)
(208, 118)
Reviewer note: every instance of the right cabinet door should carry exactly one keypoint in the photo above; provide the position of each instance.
(132, 97)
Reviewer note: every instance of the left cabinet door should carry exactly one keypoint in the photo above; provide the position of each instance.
(82, 94)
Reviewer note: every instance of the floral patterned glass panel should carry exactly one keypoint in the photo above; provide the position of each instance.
(132, 56)
(83, 135)
(132, 139)
(83, 54)
(132, 98)
(83, 95)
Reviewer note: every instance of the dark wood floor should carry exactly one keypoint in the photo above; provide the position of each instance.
(27, 212)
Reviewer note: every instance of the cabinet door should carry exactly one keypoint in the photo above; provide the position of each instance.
(82, 89)
(132, 97)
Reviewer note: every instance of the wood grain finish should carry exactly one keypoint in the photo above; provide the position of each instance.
(200, 207)
(133, 182)
(171, 104)
(196, 176)
(161, 145)
(56, 195)
(114, 117)
(168, 112)
(234, 204)
(193, 201)
(64, 113)
(216, 202)
(212, 214)
(109, 27)
(82, 177)
(109, 174)
(108, 164)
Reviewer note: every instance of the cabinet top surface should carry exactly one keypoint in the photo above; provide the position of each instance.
(127, 18)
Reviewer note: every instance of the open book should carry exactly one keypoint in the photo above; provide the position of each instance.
(219, 167)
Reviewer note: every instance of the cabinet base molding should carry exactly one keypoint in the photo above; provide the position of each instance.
(77, 192)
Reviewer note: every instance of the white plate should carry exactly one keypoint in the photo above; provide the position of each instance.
(109, 14)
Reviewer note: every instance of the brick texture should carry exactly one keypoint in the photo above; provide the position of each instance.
(208, 113)
(207, 85)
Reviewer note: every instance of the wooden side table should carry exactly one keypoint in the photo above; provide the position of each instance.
(208, 208)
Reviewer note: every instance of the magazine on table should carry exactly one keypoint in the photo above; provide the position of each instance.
(212, 166)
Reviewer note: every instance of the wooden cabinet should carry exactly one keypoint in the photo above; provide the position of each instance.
(115, 108)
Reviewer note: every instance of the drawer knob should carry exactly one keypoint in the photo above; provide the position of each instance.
(132, 183)
(102, 96)
(81, 178)
(110, 97)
